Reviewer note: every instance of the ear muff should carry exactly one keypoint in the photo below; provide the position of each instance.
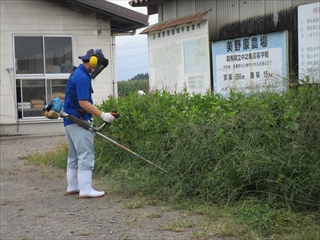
(93, 61)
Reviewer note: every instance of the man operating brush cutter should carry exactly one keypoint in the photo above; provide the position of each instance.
(54, 110)
(78, 102)
(77, 112)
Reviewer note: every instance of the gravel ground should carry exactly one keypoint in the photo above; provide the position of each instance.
(34, 204)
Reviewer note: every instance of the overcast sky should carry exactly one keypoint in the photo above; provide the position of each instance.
(132, 51)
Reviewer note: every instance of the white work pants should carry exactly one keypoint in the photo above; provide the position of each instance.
(81, 149)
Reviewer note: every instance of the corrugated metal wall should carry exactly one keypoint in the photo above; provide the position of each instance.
(167, 11)
(237, 18)
(208, 4)
(188, 10)
(233, 12)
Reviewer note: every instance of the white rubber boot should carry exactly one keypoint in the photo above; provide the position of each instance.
(72, 178)
(85, 184)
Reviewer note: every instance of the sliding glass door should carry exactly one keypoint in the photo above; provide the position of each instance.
(42, 68)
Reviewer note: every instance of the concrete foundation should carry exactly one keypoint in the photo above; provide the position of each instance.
(33, 128)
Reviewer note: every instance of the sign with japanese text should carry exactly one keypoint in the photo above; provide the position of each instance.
(179, 58)
(309, 41)
(250, 64)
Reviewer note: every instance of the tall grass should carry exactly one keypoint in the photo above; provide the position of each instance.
(249, 163)
(216, 149)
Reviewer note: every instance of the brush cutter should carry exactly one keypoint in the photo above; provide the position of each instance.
(54, 110)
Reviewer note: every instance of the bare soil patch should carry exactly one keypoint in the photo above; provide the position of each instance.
(34, 204)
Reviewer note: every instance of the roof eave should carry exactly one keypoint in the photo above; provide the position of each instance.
(146, 3)
(175, 22)
(116, 14)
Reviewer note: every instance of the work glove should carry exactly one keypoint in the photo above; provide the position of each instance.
(107, 117)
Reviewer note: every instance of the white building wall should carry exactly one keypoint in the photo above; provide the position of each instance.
(36, 17)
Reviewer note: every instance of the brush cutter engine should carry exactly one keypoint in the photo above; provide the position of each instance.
(53, 109)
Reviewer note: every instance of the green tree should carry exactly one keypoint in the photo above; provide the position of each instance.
(141, 76)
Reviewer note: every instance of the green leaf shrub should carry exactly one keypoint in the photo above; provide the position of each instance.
(217, 149)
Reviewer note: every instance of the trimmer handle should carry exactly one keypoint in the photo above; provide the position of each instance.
(82, 123)
(115, 113)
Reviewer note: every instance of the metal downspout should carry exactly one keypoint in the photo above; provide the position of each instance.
(114, 60)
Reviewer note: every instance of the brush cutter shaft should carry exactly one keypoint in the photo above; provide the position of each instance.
(87, 126)
(123, 147)
(82, 123)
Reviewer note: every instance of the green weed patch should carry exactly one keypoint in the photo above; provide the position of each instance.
(249, 163)
(218, 149)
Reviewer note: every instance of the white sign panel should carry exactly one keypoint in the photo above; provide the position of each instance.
(179, 58)
(250, 64)
(309, 41)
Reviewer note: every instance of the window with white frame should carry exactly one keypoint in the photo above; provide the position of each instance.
(42, 68)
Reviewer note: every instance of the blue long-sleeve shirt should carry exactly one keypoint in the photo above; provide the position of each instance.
(80, 87)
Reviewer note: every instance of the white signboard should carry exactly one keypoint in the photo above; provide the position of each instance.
(250, 64)
(179, 58)
(309, 41)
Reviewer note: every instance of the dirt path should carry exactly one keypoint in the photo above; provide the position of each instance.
(34, 204)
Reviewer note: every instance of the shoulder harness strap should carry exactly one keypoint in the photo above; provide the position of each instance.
(80, 111)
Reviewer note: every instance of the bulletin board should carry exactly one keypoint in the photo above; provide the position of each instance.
(309, 42)
(179, 58)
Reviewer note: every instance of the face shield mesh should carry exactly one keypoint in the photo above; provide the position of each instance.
(103, 63)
